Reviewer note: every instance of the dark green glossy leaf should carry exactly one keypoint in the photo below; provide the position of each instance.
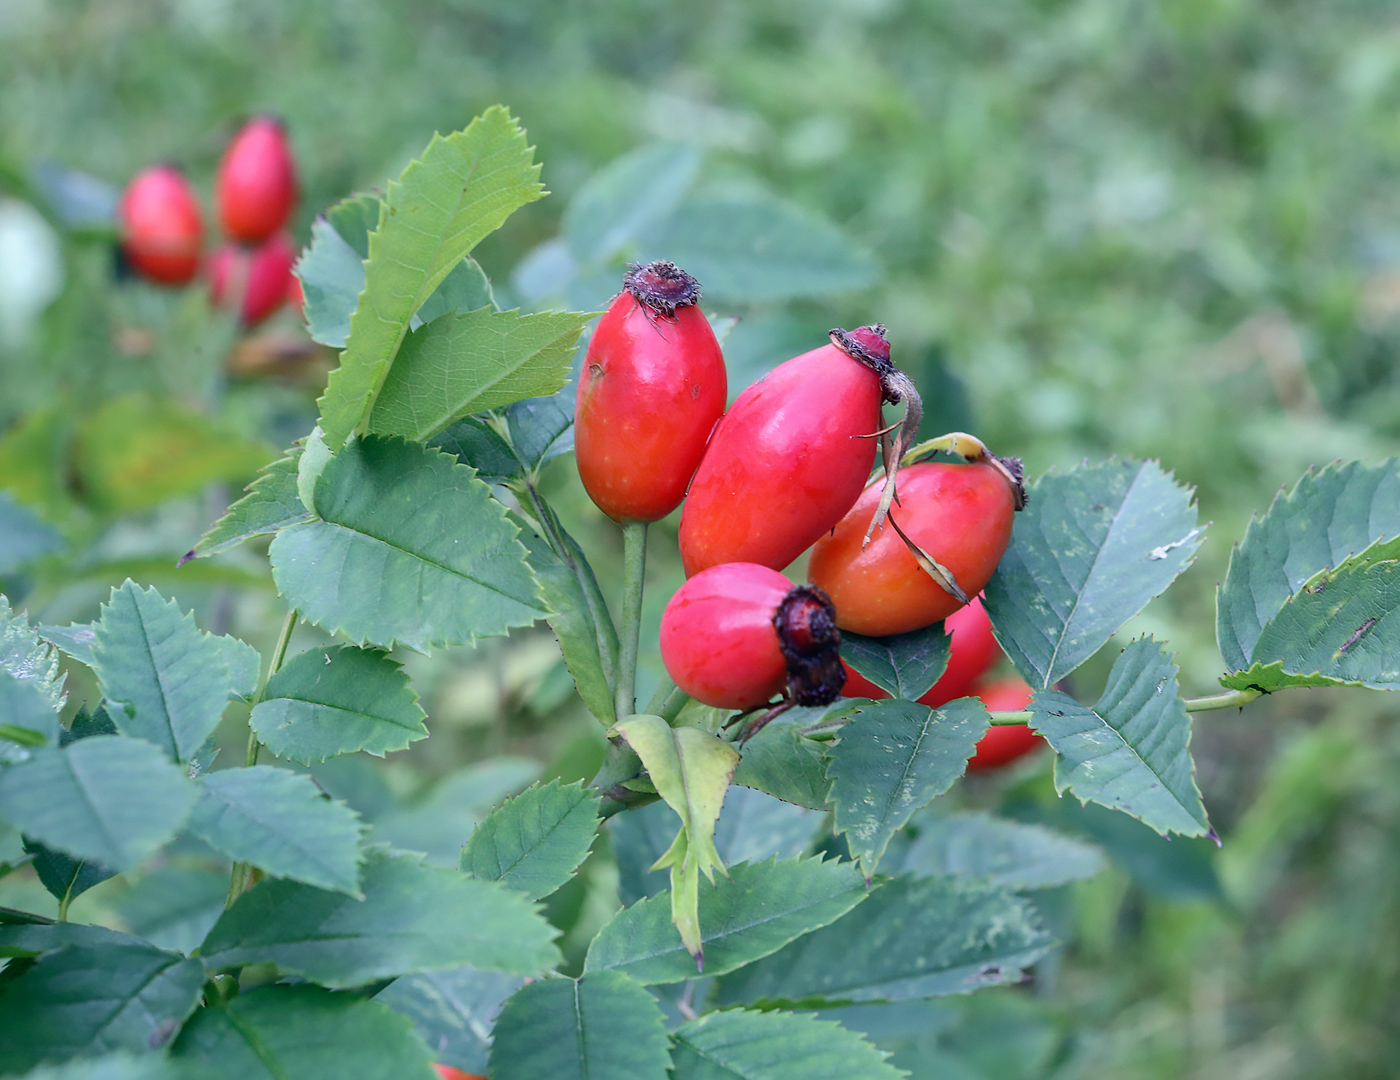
(65, 877)
(410, 549)
(534, 842)
(905, 665)
(474, 441)
(1094, 545)
(741, 1045)
(453, 1011)
(338, 700)
(892, 758)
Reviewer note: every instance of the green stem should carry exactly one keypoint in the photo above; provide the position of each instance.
(668, 700)
(1007, 716)
(634, 565)
(238, 880)
(63, 906)
(1231, 699)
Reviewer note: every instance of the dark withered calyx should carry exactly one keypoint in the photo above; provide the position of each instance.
(811, 645)
(661, 287)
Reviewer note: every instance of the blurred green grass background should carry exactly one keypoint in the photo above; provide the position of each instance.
(1104, 227)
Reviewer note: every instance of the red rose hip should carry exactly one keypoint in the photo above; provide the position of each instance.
(263, 274)
(162, 229)
(256, 187)
(1004, 743)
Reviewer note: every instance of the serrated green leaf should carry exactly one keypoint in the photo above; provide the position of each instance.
(119, 1066)
(332, 277)
(1093, 546)
(109, 798)
(474, 441)
(280, 822)
(755, 248)
(691, 770)
(453, 1011)
(469, 363)
(168, 682)
(463, 188)
(892, 758)
(135, 452)
(63, 876)
(25, 657)
(904, 665)
(338, 700)
(24, 535)
(746, 1045)
(626, 196)
(173, 907)
(581, 620)
(603, 1025)
(410, 549)
(24, 935)
(1329, 515)
(26, 716)
(541, 428)
(781, 761)
(82, 1000)
(914, 938)
(754, 912)
(466, 288)
(1339, 629)
(413, 918)
(287, 1032)
(75, 639)
(534, 842)
(1131, 751)
(1009, 853)
(269, 505)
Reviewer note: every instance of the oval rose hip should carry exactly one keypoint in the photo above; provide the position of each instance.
(790, 456)
(960, 515)
(162, 228)
(736, 635)
(264, 275)
(256, 187)
(652, 386)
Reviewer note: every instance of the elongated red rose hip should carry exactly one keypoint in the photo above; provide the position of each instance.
(161, 225)
(263, 275)
(652, 386)
(256, 187)
(790, 456)
(736, 635)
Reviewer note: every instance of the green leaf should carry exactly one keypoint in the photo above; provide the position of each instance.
(691, 770)
(1093, 546)
(626, 196)
(26, 715)
(110, 799)
(894, 757)
(1331, 515)
(603, 1025)
(289, 1032)
(89, 999)
(904, 665)
(461, 190)
(281, 823)
(914, 938)
(173, 907)
(462, 364)
(541, 428)
(24, 535)
(332, 277)
(269, 505)
(1339, 629)
(413, 918)
(474, 441)
(1131, 751)
(752, 248)
(24, 656)
(1009, 853)
(746, 1045)
(754, 912)
(453, 1011)
(135, 452)
(118, 1066)
(465, 289)
(781, 761)
(534, 842)
(64, 877)
(75, 639)
(581, 620)
(23, 935)
(338, 700)
(168, 682)
(410, 549)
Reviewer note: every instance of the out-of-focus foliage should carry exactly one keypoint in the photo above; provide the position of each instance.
(1103, 226)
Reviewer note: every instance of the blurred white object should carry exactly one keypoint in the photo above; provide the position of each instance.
(31, 269)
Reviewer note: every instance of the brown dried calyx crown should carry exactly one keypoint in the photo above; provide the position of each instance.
(661, 287)
(811, 645)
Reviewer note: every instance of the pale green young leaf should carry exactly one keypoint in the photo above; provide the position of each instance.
(754, 912)
(409, 548)
(269, 504)
(280, 822)
(602, 1026)
(463, 188)
(903, 665)
(25, 656)
(469, 363)
(1088, 552)
(453, 1011)
(892, 758)
(338, 700)
(413, 918)
(738, 1044)
(534, 842)
(287, 1032)
(1131, 751)
(109, 798)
